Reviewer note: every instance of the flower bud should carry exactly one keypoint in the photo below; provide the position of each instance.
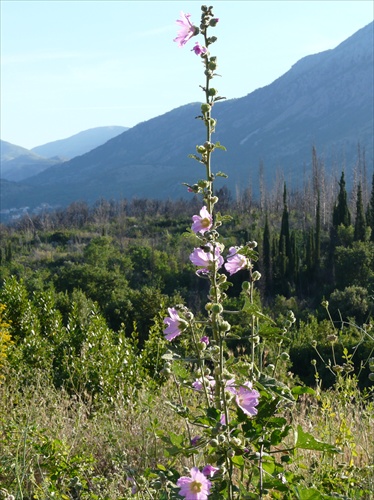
(256, 276)
(314, 343)
(252, 244)
(213, 22)
(212, 92)
(313, 362)
(200, 149)
(208, 306)
(201, 346)
(224, 326)
(236, 441)
(246, 285)
(212, 65)
(217, 308)
(325, 304)
(371, 377)
(214, 443)
(332, 338)
(205, 107)
(231, 453)
(284, 356)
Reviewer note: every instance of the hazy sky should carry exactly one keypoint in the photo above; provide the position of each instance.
(67, 66)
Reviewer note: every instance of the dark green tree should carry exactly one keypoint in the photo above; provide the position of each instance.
(266, 256)
(341, 214)
(370, 212)
(360, 222)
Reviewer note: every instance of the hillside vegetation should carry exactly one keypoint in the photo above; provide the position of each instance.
(84, 291)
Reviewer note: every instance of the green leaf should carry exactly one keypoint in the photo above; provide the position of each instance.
(310, 494)
(238, 460)
(219, 146)
(252, 309)
(222, 174)
(298, 390)
(306, 441)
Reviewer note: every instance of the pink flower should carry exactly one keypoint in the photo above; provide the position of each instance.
(210, 383)
(209, 470)
(187, 30)
(196, 487)
(205, 339)
(175, 324)
(235, 261)
(202, 222)
(247, 399)
(199, 49)
(205, 259)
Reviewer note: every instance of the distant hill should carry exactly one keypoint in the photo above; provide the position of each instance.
(80, 143)
(17, 163)
(325, 100)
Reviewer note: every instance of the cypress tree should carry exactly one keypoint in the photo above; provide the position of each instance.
(341, 214)
(370, 212)
(266, 255)
(360, 223)
(284, 238)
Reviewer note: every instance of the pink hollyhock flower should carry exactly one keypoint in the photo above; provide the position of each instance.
(247, 399)
(187, 30)
(196, 487)
(175, 324)
(205, 259)
(199, 49)
(209, 470)
(209, 382)
(205, 339)
(235, 261)
(230, 386)
(195, 440)
(202, 222)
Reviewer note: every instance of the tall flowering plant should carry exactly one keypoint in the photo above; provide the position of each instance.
(234, 437)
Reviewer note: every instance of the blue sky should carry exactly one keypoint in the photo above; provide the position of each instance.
(67, 66)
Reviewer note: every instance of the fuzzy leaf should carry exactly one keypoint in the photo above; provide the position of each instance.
(306, 441)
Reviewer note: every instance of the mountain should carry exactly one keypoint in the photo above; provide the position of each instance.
(17, 163)
(80, 143)
(325, 100)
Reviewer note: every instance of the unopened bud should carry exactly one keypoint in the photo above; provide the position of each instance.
(332, 338)
(256, 276)
(217, 308)
(371, 377)
(325, 304)
(285, 356)
(246, 285)
(205, 107)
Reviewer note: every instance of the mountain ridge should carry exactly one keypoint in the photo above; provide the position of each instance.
(325, 100)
